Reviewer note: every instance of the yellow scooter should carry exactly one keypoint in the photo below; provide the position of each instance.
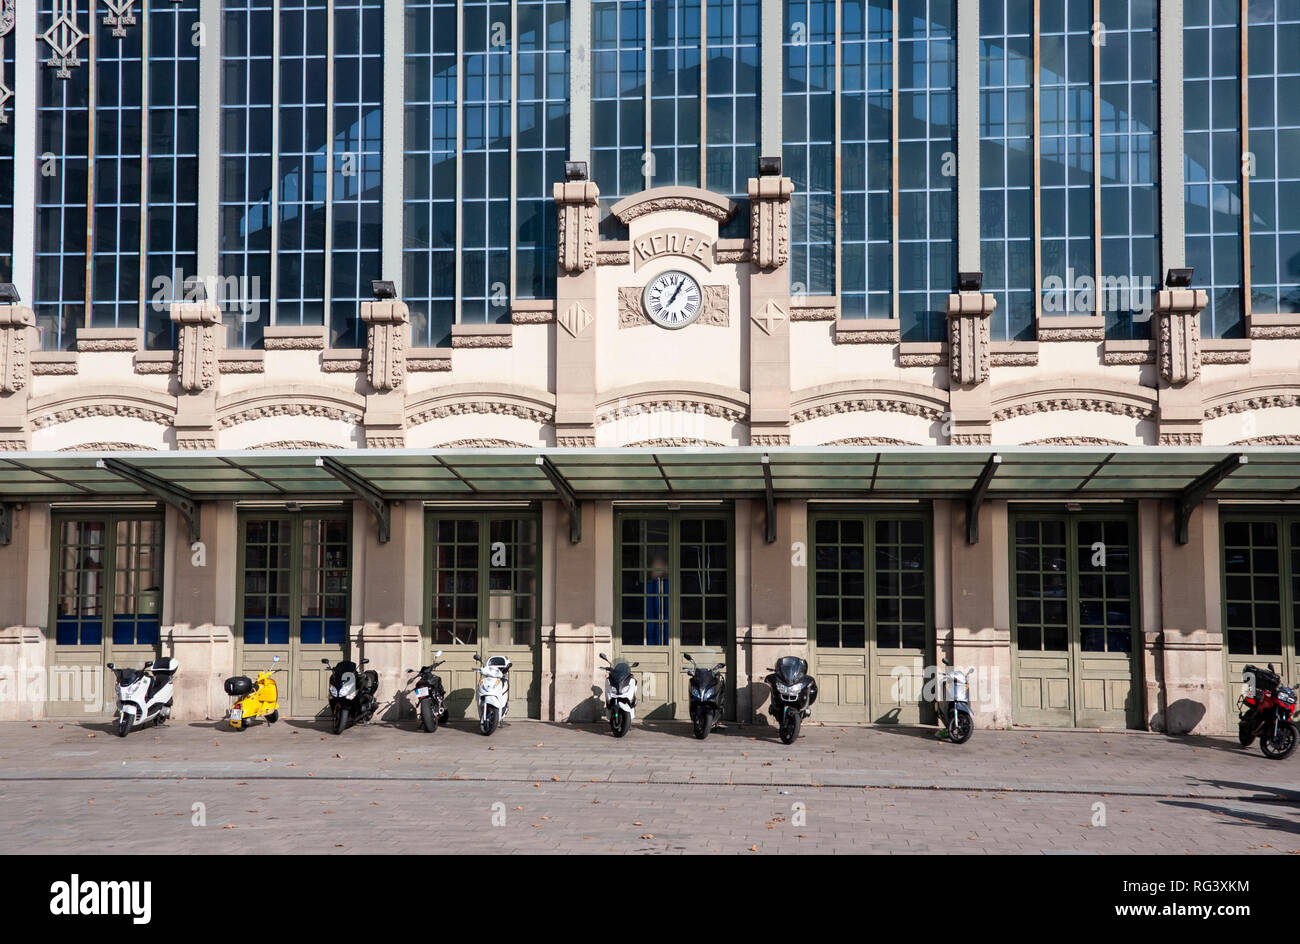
(256, 699)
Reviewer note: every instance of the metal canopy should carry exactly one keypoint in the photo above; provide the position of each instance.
(1025, 472)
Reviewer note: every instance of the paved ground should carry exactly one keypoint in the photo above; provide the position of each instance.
(538, 787)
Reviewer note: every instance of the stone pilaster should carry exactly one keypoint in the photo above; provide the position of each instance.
(386, 342)
(969, 358)
(1191, 643)
(769, 311)
(575, 314)
(17, 338)
(1178, 356)
(778, 602)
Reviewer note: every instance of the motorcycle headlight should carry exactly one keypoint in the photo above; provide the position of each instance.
(490, 682)
(707, 695)
(347, 689)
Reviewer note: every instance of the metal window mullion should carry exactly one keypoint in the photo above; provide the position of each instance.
(141, 330)
(274, 196)
(328, 247)
(91, 67)
(514, 146)
(1098, 306)
(460, 160)
(648, 166)
(1169, 124)
(837, 279)
(23, 115)
(1244, 169)
(704, 93)
(1036, 137)
(893, 153)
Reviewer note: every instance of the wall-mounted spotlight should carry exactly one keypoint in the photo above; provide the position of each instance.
(970, 281)
(769, 167)
(575, 170)
(382, 290)
(8, 293)
(1179, 278)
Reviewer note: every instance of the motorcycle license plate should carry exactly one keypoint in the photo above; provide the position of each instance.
(236, 714)
(421, 693)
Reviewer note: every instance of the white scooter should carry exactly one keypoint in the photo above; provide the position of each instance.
(620, 695)
(953, 704)
(493, 692)
(144, 695)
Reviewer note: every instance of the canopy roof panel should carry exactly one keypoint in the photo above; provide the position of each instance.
(616, 474)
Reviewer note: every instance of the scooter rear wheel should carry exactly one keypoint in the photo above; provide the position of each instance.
(273, 717)
(960, 728)
(340, 720)
(790, 726)
(1245, 734)
(123, 724)
(427, 718)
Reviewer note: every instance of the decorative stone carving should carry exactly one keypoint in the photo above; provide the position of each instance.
(867, 405)
(969, 349)
(676, 405)
(481, 444)
(1251, 404)
(577, 211)
(197, 324)
(101, 409)
(1180, 439)
(673, 242)
(613, 257)
(16, 322)
(769, 439)
(1225, 357)
(575, 319)
(769, 221)
(630, 313)
(643, 207)
(1082, 404)
(679, 442)
(825, 312)
(1073, 441)
(386, 326)
(232, 420)
(970, 439)
(575, 442)
(487, 407)
(63, 37)
(1178, 342)
(769, 317)
(120, 15)
(715, 307)
(108, 446)
(870, 441)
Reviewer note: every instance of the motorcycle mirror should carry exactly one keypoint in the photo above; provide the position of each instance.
(605, 657)
(720, 665)
(476, 658)
(365, 661)
(635, 664)
(946, 662)
(324, 661)
(437, 654)
(410, 670)
(110, 665)
(275, 658)
(687, 657)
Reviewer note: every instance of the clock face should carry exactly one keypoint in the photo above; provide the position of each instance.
(673, 300)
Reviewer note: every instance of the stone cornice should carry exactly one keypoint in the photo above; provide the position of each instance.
(658, 199)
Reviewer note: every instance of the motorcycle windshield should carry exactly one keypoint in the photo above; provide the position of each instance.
(791, 670)
(619, 675)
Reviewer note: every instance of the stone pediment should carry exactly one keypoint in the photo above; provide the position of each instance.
(712, 205)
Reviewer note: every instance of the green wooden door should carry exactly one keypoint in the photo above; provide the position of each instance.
(872, 632)
(481, 598)
(1074, 620)
(673, 595)
(295, 601)
(106, 600)
(1261, 594)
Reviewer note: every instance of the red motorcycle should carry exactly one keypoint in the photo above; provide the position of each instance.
(1266, 708)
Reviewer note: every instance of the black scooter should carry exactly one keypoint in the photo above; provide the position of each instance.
(794, 692)
(430, 696)
(352, 693)
(707, 688)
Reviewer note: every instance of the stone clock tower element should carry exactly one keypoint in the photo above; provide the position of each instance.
(575, 309)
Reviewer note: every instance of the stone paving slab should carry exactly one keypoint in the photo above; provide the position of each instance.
(293, 787)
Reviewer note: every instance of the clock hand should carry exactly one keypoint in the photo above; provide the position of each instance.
(680, 285)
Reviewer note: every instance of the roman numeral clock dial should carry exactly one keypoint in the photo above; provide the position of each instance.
(673, 300)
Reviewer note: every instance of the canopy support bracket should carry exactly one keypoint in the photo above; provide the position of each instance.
(769, 502)
(976, 498)
(6, 524)
(1195, 493)
(364, 490)
(182, 500)
(567, 496)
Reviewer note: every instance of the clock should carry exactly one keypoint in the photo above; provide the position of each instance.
(673, 300)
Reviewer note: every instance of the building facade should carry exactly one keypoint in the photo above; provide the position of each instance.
(877, 331)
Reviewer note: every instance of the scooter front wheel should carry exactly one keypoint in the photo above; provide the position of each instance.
(488, 723)
(1281, 744)
(427, 718)
(123, 724)
(790, 726)
(960, 728)
(701, 724)
(618, 722)
(273, 717)
(340, 720)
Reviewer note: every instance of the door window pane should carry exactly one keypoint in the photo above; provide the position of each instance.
(455, 582)
(1252, 586)
(79, 607)
(644, 582)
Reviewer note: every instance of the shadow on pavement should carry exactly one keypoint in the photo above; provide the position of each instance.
(1238, 817)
